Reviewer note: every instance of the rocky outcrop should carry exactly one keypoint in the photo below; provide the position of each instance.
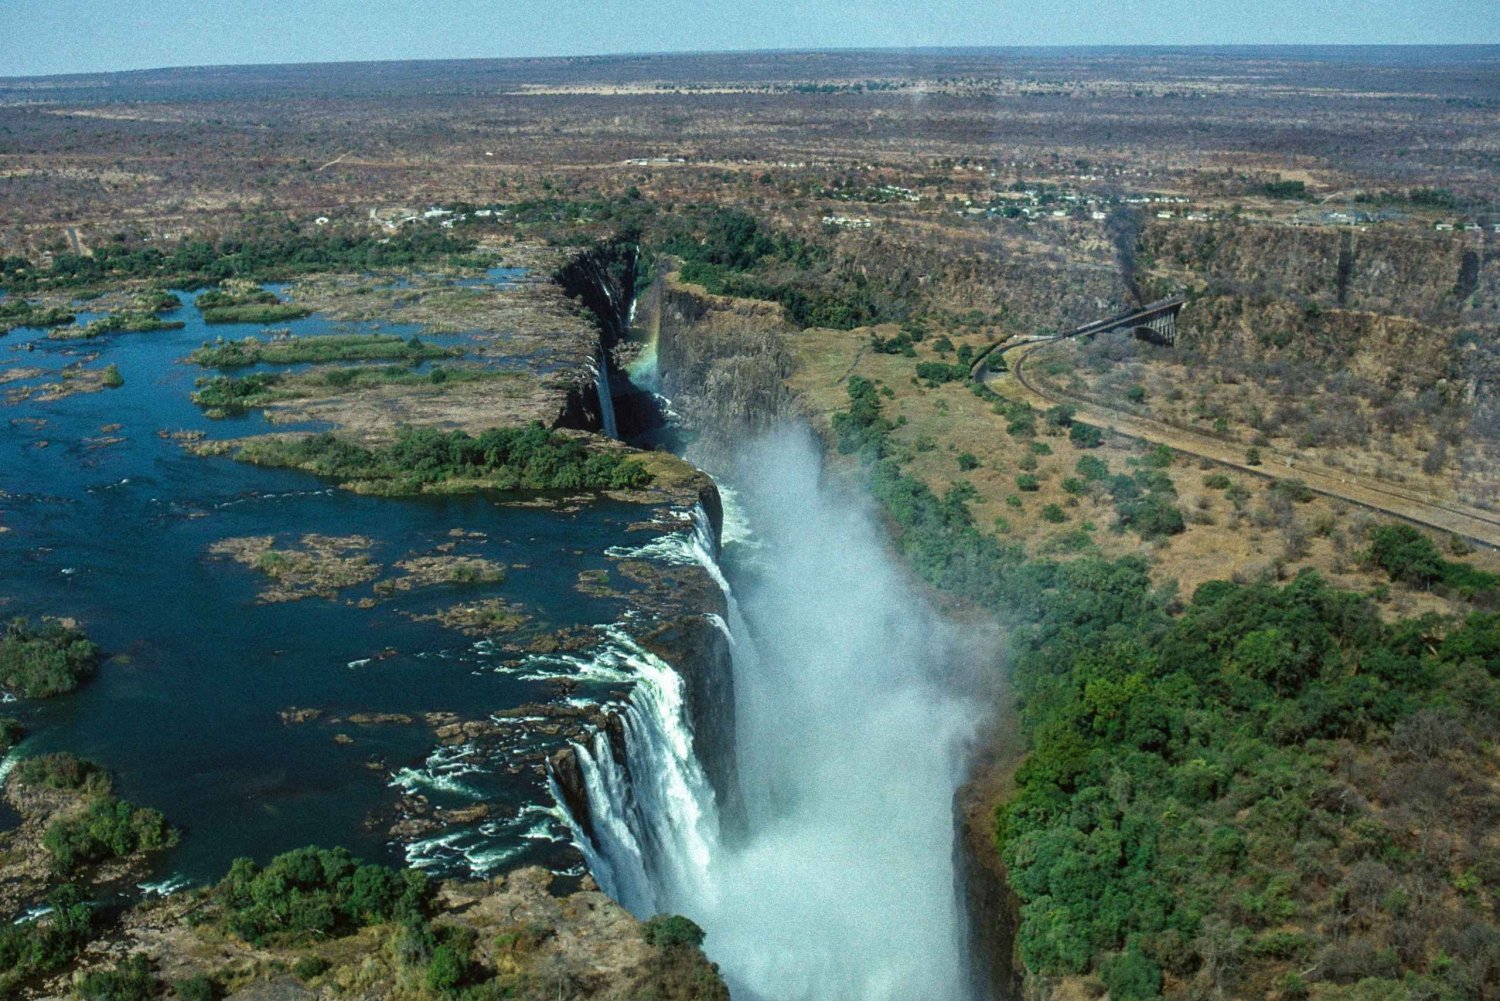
(529, 942)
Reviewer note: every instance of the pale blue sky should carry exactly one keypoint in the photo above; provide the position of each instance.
(69, 36)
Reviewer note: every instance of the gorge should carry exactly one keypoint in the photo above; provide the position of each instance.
(821, 863)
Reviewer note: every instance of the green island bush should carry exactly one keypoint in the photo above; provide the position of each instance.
(523, 458)
(112, 377)
(46, 658)
(65, 771)
(236, 293)
(276, 312)
(138, 322)
(109, 829)
(155, 300)
(15, 313)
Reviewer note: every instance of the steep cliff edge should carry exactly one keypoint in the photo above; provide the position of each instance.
(722, 361)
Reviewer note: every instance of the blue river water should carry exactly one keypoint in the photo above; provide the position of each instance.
(109, 520)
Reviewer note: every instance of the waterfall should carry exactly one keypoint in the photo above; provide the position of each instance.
(654, 815)
(606, 396)
(852, 724)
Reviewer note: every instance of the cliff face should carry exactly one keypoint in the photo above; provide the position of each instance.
(1416, 274)
(722, 361)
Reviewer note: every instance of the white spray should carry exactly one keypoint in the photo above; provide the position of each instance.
(851, 737)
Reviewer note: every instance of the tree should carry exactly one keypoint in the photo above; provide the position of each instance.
(672, 931)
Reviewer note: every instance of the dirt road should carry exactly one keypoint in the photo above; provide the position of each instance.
(1471, 523)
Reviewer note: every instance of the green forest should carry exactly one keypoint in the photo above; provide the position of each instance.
(1262, 789)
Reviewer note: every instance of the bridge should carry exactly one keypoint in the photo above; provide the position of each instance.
(1155, 321)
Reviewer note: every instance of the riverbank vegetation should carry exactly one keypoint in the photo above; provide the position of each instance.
(102, 828)
(30, 949)
(131, 322)
(16, 313)
(43, 658)
(426, 459)
(324, 348)
(240, 300)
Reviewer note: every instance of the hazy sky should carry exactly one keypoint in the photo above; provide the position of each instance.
(69, 36)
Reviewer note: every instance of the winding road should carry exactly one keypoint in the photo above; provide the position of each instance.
(1475, 524)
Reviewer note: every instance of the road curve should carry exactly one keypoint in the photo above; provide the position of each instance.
(1474, 524)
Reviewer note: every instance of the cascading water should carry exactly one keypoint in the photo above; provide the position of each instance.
(606, 397)
(851, 732)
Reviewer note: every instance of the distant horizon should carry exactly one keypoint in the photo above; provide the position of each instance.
(775, 50)
(91, 37)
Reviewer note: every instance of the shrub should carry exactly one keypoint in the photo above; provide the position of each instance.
(131, 980)
(936, 373)
(1092, 468)
(316, 892)
(446, 970)
(1136, 394)
(112, 377)
(62, 770)
(1085, 435)
(1152, 516)
(1054, 513)
(32, 948)
(1061, 416)
(308, 967)
(111, 828)
(967, 461)
(38, 660)
(199, 987)
(1216, 481)
(672, 931)
(1028, 483)
(1252, 456)
(1406, 554)
(1130, 976)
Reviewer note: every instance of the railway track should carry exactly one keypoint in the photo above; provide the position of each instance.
(1471, 523)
